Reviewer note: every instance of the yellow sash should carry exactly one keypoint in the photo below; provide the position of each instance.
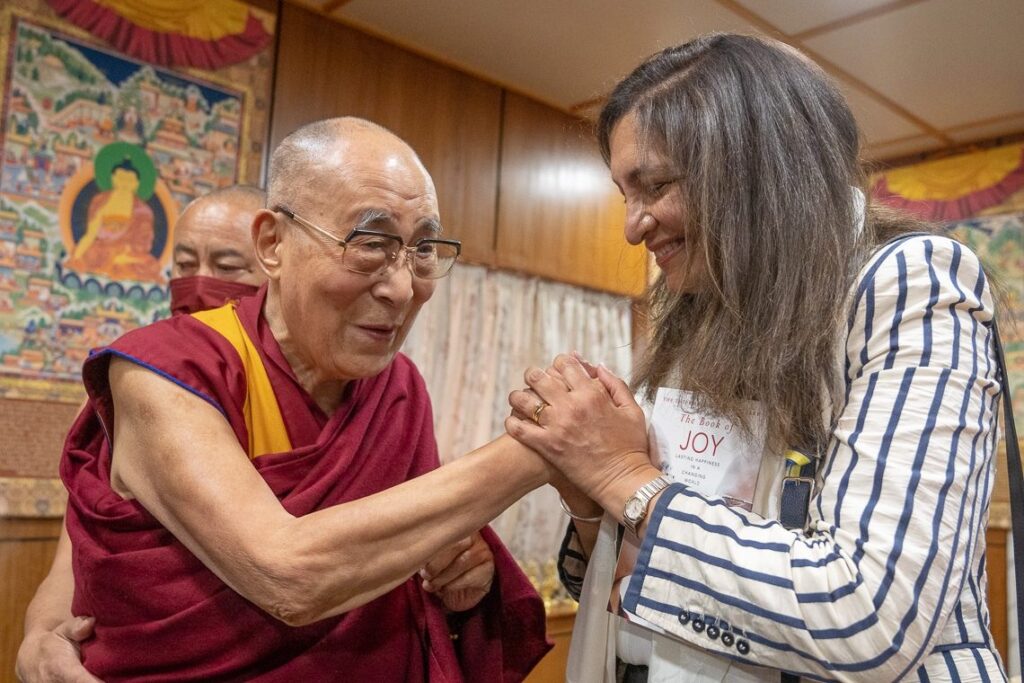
(267, 433)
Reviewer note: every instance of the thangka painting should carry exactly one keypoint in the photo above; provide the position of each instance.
(99, 153)
(999, 243)
(979, 198)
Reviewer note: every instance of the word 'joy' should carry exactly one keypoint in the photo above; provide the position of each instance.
(700, 442)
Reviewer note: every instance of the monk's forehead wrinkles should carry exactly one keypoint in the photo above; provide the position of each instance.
(416, 214)
(406, 183)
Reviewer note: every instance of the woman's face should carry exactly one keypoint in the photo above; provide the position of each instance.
(655, 214)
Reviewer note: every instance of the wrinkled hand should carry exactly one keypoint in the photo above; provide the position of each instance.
(566, 489)
(55, 655)
(461, 574)
(593, 430)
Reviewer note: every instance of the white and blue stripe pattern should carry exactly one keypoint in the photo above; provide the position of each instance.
(889, 583)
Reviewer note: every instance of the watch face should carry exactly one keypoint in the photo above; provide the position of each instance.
(634, 508)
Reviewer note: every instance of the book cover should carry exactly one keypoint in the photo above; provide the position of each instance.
(708, 453)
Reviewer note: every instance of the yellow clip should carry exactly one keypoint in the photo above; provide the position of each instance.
(796, 461)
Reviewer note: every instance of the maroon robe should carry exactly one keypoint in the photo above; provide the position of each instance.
(161, 615)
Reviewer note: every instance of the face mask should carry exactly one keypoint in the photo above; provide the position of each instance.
(199, 293)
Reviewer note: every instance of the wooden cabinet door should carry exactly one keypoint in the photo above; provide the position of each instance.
(450, 118)
(559, 215)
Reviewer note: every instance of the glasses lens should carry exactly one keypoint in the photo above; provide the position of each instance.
(434, 259)
(370, 253)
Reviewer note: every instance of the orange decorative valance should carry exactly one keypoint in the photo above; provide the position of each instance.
(955, 188)
(205, 34)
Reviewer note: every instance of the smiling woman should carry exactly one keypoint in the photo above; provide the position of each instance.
(655, 212)
(851, 348)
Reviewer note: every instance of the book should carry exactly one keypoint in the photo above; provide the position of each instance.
(709, 453)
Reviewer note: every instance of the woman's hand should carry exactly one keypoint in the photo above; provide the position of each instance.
(591, 430)
(576, 500)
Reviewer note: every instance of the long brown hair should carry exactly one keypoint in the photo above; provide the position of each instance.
(767, 151)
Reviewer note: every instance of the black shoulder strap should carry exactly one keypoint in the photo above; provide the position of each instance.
(1016, 480)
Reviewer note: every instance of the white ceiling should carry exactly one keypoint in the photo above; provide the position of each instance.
(921, 75)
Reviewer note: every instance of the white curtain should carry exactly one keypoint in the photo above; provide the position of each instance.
(472, 342)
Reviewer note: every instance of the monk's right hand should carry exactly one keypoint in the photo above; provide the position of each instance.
(54, 656)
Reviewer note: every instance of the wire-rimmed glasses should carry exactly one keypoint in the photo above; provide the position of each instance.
(371, 252)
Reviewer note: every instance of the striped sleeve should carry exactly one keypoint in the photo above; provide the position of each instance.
(572, 563)
(898, 519)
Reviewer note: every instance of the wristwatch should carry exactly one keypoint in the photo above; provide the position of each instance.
(634, 512)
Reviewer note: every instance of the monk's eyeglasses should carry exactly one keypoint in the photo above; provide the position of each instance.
(371, 252)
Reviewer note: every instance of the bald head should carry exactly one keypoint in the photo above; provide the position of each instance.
(335, 320)
(346, 145)
(213, 236)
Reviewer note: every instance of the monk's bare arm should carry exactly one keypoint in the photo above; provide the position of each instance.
(52, 602)
(177, 455)
(49, 649)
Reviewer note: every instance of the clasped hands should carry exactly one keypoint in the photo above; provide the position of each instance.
(461, 574)
(584, 421)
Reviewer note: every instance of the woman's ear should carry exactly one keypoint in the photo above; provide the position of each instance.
(267, 234)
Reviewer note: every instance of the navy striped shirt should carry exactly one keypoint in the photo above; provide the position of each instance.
(889, 582)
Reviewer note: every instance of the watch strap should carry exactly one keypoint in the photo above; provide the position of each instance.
(644, 494)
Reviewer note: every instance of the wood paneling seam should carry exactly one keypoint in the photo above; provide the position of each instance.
(833, 68)
(852, 19)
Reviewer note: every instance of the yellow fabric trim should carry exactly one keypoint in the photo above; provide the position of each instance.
(949, 179)
(795, 460)
(203, 19)
(267, 433)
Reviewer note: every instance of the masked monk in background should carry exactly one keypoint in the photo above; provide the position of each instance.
(213, 257)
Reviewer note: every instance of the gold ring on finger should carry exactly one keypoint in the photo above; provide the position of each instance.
(538, 410)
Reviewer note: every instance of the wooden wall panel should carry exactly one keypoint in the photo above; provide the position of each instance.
(995, 567)
(451, 119)
(26, 552)
(559, 215)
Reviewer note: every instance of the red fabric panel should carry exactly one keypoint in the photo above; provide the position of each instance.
(163, 616)
(967, 206)
(165, 49)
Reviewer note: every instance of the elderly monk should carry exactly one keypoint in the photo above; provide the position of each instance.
(213, 262)
(265, 488)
